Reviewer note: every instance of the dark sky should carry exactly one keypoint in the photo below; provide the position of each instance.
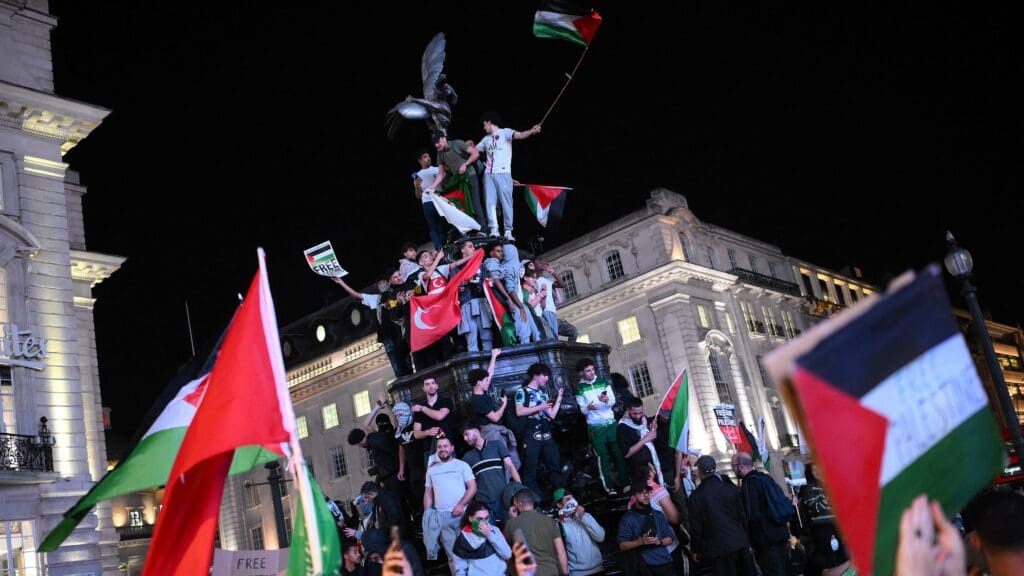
(843, 137)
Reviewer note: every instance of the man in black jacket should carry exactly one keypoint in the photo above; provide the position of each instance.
(769, 538)
(387, 508)
(718, 524)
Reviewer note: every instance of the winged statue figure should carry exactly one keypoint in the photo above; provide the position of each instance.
(435, 107)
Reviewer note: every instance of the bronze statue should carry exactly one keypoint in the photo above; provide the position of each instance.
(438, 96)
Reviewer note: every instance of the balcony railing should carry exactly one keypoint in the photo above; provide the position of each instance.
(135, 532)
(751, 277)
(821, 308)
(20, 452)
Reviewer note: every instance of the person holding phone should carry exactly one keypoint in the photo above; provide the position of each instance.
(596, 400)
(541, 534)
(647, 531)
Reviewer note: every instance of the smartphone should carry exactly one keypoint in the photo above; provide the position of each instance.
(519, 537)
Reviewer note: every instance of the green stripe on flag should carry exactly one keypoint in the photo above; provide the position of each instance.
(975, 441)
(544, 30)
(299, 561)
(678, 421)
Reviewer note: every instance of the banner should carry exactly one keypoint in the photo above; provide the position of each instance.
(725, 414)
(321, 259)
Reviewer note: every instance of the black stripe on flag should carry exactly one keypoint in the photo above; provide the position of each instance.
(895, 331)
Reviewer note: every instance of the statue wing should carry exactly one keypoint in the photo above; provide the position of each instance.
(411, 109)
(432, 65)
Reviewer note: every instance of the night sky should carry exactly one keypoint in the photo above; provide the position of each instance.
(845, 138)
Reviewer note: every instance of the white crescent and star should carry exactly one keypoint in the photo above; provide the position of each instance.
(417, 319)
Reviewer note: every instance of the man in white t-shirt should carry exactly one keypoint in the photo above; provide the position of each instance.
(496, 149)
(421, 179)
(450, 486)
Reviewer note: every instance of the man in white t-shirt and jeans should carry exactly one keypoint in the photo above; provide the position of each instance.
(496, 149)
(450, 486)
(421, 179)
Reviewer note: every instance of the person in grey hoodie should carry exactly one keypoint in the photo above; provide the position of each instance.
(480, 549)
(582, 535)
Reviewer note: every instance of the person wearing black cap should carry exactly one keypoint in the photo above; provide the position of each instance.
(718, 524)
(454, 159)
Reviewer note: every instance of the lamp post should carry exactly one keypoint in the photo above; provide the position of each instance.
(959, 264)
(275, 479)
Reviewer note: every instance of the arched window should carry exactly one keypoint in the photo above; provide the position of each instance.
(718, 374)
(613, 263)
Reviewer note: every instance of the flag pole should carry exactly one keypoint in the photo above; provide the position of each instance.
(566, 85)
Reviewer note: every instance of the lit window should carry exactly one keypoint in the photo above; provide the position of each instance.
(641, 379)
(330, 415)
(753, 262)
(823, 285)
(629, 332)
(702, 316)
(718, 375)
(729, 324)
(867, 292)
(686, 247)
(769, 319)
(361, 402)
(853, 295)
(711, 258)
(303, 428)
(613, 263)
(570, 284)
(808, 284)
(339, 467)
(583, 338)
(750, 318)
(839, 294)
(790, 326)
(732, 258)
(256, 537)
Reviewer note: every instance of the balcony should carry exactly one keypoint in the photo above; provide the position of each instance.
(820, 308)
(135, 532)
(755, 327)
(775, 331)
(750, 277)
(19, 452)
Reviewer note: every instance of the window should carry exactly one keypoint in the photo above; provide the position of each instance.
(769, 319)
(366, 458)
(839, 294)
(613, 263)
(361, 403)
(256, 538)
(686, 247)
(135, 517)
(330, 414)
(711, 258)
(629, 332)
(750, 318)
(718, 375)
(1008, 362)
(339, 467)
(753, 263)
(641, 379)
(288, 523)
(732, 258)
(583, 338)
(853, 294)
(808, 284)
(303, 428)
(570, 284)
(729, 324)
(823, 285)
(252, 496)
(702, 316)
(772, 271)
(788, 324)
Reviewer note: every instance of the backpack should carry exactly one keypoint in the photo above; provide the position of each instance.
(780, 509)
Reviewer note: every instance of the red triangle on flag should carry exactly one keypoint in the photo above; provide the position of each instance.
(851, 461)
(587, 25)
(545, 195)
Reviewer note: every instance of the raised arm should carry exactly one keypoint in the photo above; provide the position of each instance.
(429, 270)
(526, 134)
(346, 287)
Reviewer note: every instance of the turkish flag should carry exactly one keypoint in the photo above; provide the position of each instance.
(431, 316)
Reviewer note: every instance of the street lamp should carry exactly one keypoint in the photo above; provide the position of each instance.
(959, 264)
(45, 437)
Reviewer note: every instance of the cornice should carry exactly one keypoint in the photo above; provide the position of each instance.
(48, 116)
(339, 376)
(94, 267)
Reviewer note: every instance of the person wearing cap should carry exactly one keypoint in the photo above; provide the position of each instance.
(533, 405)
(455, 158)
(497, 150)
(645, 530)
(582, 534)
(387, 508)
(718, 524)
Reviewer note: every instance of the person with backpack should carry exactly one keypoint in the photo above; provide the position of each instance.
(768, 513)
(718, 521)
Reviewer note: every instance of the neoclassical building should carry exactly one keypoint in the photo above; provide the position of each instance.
(51, 430)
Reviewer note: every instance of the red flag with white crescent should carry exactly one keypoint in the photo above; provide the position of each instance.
(431, 316)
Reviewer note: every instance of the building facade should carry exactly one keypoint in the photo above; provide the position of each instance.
(51, 429)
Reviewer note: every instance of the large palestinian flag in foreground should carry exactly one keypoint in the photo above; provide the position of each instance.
(561, 20)
(891, 403)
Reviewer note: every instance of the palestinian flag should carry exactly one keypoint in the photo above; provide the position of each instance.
(320, 254)
(561, 20)
(457, 190)
(890, 400)
(149, 464)
(748, 443)
(300, 559)
(546, 203)
(676, 405)
(502, 316)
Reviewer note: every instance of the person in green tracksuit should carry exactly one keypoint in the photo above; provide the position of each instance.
(595, 398)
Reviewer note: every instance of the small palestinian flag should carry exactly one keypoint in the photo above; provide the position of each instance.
(676, 405)
(502, 315)
(320, 254)
(748, 443)
(889, 398)
(546, 203)
(561, 20)
(457, 190)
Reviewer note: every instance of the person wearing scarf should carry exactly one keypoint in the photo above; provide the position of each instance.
(636, 440)
(480, 549)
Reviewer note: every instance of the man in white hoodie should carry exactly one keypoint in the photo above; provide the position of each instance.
(596, 398)
(582, 535)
